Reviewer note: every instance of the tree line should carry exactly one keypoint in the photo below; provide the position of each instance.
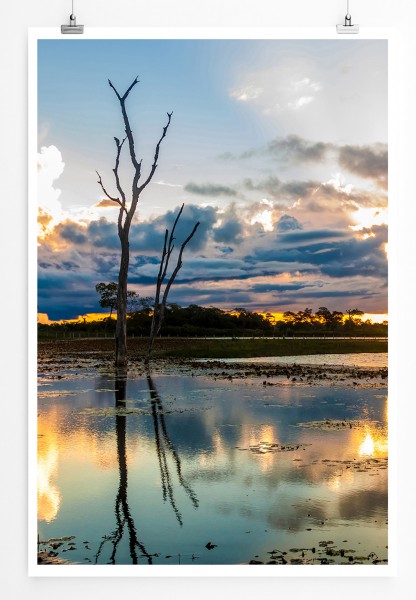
(194, 320)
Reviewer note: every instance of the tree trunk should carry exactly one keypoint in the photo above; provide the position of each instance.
(121, 326)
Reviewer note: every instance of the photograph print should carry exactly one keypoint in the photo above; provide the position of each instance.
(212, 303)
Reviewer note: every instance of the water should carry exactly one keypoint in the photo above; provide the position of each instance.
(362, 359)
(184, 461)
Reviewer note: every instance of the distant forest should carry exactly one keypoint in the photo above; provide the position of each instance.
(200, 321)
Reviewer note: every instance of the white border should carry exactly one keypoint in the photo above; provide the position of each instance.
(35, 570)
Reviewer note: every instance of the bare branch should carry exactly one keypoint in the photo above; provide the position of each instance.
(173, 277)
(115, 91)
(162, 269)
(127, 92)
(129, 133)
(170, 245)
(115, 171)
(117, 200)
(155, 159)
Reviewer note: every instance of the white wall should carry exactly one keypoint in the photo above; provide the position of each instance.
(16, 18)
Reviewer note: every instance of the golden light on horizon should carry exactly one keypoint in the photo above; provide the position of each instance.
(43, 318)
(374, 317)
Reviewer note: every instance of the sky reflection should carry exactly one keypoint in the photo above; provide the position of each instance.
(204, 459)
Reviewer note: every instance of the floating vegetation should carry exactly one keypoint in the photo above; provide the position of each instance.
(326, 553)
(267, 447)
(65, 538)
(57, 393)
(336, 424)
(110, 411)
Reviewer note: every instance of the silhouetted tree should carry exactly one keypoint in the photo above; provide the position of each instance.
(353, 312)
(330, 320)
(126, 214)
(108, 295)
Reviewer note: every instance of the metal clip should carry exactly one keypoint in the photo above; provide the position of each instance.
(72, 27)
(348, 27)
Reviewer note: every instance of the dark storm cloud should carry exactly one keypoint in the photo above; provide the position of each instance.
(288, 223)
(209, 189)
(370, 162)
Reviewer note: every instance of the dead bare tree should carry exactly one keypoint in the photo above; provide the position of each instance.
(126, 214)
(160, 305)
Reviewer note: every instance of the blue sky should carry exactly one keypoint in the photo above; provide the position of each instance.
(278, 147)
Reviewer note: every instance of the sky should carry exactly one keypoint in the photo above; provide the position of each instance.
(277, 147)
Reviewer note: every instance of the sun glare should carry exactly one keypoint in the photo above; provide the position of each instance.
(367, 217)
(264, 218)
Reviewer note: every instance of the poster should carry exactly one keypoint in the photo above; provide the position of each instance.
(249, 435)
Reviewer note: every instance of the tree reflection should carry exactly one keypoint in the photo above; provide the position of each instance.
(124, 519)
(164, 449)
(164, 446)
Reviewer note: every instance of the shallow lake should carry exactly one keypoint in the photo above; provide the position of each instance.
(152, 470)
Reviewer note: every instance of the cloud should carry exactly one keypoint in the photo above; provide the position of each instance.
(209, 189)
(276, 90)
(229, 262)
(284, 191)
(148, 236)
(299, 102)
(246, 94)
(105, 203)
(370, 162)
(291, 149)
(367, 161)
(50, 168)
(295, 149)
(288, 223)
(229, 231)
(173, 185)
(103, 234)
(229, 227)
(298, 237)
(72, 232)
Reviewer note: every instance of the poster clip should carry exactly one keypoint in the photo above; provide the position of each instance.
(72, 27)
(348, 27)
